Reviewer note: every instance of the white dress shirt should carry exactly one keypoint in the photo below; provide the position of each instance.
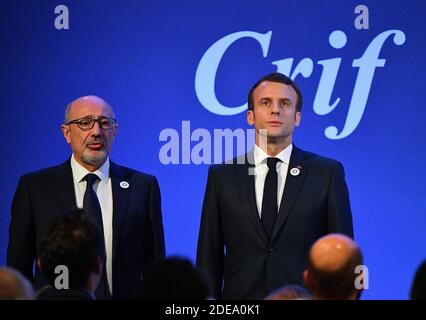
(261, 169)
(103, 190)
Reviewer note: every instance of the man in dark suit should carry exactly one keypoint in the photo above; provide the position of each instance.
(262, 212)
(124, 204)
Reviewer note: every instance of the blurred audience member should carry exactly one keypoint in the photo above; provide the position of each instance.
(418, 288)
(174, 278)
(331, 268)
(14, 286)
(70, 241)
(290, 292)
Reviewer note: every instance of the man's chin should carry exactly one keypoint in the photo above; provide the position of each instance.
(95, 158)
(275, 138)
(273, 134)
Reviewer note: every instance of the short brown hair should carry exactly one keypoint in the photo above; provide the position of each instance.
(280, 78)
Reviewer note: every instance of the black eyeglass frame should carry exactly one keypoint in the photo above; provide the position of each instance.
(93, 120)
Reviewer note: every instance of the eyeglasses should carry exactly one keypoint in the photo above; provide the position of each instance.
(86, 124)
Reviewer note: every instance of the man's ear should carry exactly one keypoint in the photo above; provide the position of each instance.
(307, 280)
(97, 267)
(250, 117)
(297, 118)
(39, 264)
(115, 129)
(66, 132)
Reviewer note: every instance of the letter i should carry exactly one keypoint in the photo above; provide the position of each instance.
(331, 67)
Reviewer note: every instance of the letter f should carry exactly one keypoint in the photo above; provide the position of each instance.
(367, 65)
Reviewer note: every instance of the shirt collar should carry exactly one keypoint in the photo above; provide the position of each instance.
(80, 172)
(260, 156)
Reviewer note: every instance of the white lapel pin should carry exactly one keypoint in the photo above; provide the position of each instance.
(124, 184)
(294, 171)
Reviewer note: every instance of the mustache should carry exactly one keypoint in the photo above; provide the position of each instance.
(94, 140)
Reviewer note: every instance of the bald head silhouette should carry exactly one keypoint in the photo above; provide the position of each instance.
(14, 286)
(331, 268)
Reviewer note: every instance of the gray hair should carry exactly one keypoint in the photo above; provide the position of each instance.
(67, 111)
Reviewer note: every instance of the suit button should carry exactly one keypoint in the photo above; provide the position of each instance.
(271, 250)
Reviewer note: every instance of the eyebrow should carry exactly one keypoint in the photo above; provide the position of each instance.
(91, 116)
(269, 99)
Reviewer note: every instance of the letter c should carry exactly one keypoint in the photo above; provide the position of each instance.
(205, 75)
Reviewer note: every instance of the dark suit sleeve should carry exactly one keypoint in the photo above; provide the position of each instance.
(21, 251)
(210, 249)
(339, 210)
(159, 250)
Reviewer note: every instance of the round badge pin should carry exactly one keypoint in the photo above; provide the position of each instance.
(294, 171)
(124, 184)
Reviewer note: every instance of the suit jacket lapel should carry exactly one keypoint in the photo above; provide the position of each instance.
(120, 200)
(64, 186)
(291, 189)
(247, 191)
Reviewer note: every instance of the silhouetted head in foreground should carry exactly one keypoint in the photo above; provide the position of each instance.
(290, 292)
(331, 272)
(14, 286)
(174, 278)
(418, 288)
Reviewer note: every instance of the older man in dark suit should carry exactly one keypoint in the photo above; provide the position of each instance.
(123, 203)
(262, 212)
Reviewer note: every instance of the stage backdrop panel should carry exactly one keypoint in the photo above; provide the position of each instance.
(171, 67)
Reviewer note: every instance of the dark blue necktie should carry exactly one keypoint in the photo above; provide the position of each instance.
(269, 202)
(93, 208)
(91, 204)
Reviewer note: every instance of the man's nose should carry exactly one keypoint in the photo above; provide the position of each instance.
(275, 108)
(96, 130)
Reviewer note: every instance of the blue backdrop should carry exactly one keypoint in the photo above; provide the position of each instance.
(160, 63)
